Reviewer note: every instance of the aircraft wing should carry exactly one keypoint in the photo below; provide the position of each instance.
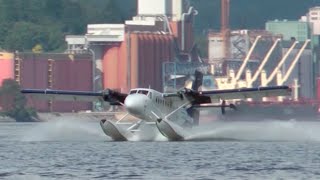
(204, 97)
(244, 93)
(113, 97)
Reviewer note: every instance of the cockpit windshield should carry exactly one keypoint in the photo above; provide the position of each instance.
(145, 92)
(133, 91)
(139, 91)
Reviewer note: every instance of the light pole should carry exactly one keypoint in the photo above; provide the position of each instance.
(93, 59)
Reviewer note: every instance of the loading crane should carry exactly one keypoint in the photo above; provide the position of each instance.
(263, 63)
(245, 61)
(230, 82)
(264, 80)
(280, 80)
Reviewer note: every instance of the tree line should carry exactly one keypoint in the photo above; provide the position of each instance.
(14, 104)
(43, 24)
(25, 24)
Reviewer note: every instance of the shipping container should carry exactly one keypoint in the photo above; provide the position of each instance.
(69, 72)
(6, 66)
(34, 75)
(72, 75)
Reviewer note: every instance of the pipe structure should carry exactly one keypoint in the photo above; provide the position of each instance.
(294, 62)
(263, 63)
(245, 61)
(296, 87)
(225, 29)
(225, 13)
(248, 75)
(279, 77)
(284, 58)
(263, 78)
(190, 12)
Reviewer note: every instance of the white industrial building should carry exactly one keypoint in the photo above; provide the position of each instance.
(313, 17)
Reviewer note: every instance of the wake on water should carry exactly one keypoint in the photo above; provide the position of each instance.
(270, 130)
(267, 130)
(65, 130)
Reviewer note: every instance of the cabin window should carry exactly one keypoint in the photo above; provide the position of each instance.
(150, 95)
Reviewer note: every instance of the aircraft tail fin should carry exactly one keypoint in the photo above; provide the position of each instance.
(198, 77)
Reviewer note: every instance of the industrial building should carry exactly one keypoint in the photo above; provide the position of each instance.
(131, 55)
(313, 18)
(283, 53)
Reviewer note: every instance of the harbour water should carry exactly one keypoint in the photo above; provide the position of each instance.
(69, 149)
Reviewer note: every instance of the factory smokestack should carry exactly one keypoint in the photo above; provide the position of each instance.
(225, 31)
(225, 14)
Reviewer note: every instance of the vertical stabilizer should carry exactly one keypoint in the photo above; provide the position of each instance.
(198, 77)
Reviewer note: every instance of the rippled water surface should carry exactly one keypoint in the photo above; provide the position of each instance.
(79, 150)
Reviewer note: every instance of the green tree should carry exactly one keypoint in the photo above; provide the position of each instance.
(37, 49)
(24, 36)
(202, 44)
(13, 102)
(26, 23)
(72, 17)
(54, 8)
(111, 12)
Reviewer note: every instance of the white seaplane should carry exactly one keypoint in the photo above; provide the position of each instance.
(169, 112)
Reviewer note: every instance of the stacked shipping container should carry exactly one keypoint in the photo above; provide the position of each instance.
(34, 74)
(71, 75)
(67, 73)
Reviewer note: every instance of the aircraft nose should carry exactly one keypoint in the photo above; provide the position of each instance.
(135, 104)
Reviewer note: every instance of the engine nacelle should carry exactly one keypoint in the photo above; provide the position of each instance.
(113, 97)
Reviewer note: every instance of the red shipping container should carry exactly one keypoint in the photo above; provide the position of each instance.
(6, 66)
